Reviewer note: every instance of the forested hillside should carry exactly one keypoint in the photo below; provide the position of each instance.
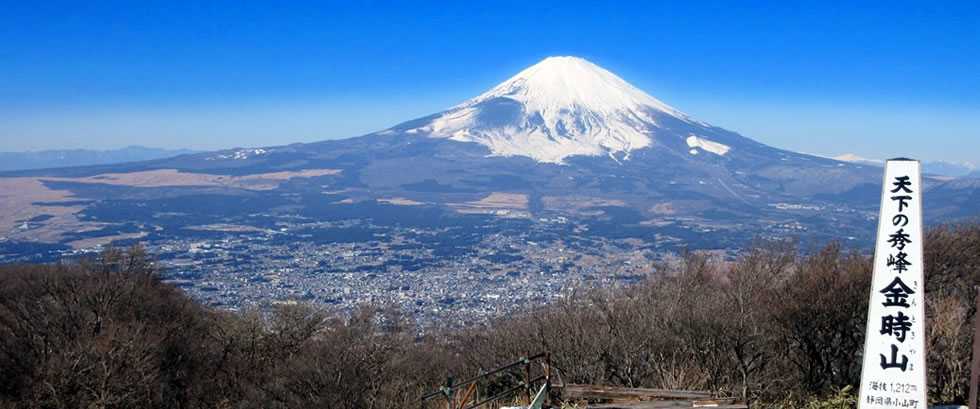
(778, 327)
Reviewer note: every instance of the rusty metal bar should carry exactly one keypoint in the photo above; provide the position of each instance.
(466, 396)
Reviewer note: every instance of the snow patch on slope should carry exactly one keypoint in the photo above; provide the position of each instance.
(852, 158)
(239, 154)
(713, 147)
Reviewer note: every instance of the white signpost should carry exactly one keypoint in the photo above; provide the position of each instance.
(894, 370)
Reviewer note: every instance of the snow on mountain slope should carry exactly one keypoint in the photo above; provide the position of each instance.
(852, 158)
(713, 147)
(559, 107)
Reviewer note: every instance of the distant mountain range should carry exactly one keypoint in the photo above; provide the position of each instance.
(954, 169)
(562, 140)
(83, 157)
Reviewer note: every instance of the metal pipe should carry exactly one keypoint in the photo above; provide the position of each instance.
(487, 374)
(448, 389)
(444, 390)
(495, 397)
(500, 369)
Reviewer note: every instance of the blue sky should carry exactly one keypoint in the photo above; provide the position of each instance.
(879, 79)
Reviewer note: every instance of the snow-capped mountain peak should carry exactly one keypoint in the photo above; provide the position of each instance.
(569, 83)
(559, 107)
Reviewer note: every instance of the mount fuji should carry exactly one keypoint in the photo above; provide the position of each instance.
(562, 140)
(560, 107)
(570, 112)
(567, 106)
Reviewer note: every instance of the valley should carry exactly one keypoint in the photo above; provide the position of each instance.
(562, 177)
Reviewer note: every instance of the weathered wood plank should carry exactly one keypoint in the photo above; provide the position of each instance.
(577, 391)
(713, 402)
(655, 405)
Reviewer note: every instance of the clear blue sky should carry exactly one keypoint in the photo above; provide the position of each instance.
(881, 79)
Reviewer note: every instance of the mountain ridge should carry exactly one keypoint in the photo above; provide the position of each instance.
(692, 183)
(59, 158)
(940, 168)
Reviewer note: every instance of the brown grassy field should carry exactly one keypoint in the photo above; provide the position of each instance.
(19, 197)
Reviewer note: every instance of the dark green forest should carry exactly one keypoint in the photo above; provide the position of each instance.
(779, 327)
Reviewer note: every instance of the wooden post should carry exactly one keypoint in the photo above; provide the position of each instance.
(975, 372)
(527, 378)
(450, 404)
(547, 376)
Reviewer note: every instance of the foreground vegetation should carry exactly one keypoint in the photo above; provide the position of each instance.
(777, 327)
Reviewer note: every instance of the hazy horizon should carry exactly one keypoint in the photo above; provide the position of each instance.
(878, 80)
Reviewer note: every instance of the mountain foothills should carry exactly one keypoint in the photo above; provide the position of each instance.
(82, 157)
(105, 332)
(564, 155)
